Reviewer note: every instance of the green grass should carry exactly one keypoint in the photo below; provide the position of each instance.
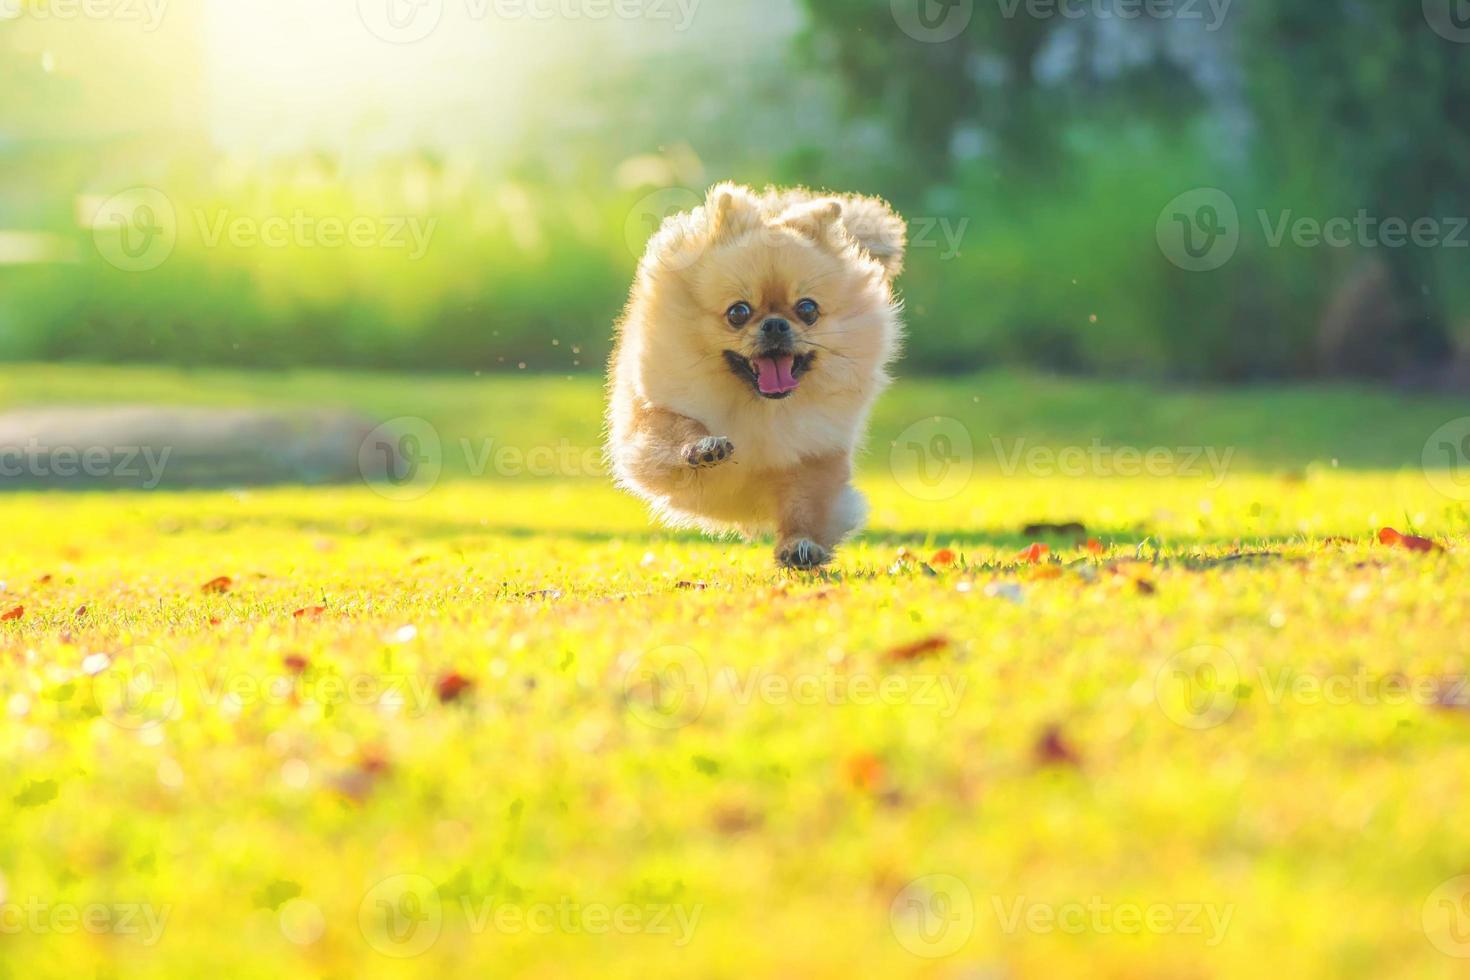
(675, 760)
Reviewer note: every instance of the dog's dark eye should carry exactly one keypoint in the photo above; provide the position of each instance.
(808, 310)
(739, 314)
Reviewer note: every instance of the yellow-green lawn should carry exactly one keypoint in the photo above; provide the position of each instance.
(517, 731)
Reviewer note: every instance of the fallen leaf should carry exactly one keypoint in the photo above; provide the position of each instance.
(1412, 542)
(81, 611)
(217, 586)
(919, 648)
(451, 686)
(734, 819)
(1144, 586)
(310, 612)
(1052, 749)
(13, 614)
(374, 761)
(1034, 553)
(864, 772)
(944, 556)
(295, 662)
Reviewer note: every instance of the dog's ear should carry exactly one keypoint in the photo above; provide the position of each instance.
(731, 210)
(819, 220)
(878, 231)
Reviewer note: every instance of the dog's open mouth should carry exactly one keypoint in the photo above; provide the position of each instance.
(772, 375)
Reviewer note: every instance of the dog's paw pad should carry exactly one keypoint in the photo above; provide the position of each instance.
(803, 553)
(709, 451)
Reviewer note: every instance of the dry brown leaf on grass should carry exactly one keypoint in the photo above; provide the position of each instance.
(1034, 553)
(451, 686)
(919, 648)
(13, 614)
(1412, 542)
(865, 772)
(217, 586)
(1053, 749)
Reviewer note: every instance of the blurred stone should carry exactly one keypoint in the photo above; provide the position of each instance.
(151, 446)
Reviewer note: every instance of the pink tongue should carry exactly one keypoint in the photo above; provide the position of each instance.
(775, 374)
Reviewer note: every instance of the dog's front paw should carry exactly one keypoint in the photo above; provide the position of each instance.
(802, 553)
(709, 451)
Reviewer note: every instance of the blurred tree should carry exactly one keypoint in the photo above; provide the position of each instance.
(1365, 96)
(1015, 79)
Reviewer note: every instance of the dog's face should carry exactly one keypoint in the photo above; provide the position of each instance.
(779, 298)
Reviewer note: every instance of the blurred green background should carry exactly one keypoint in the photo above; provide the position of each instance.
(1092, 187)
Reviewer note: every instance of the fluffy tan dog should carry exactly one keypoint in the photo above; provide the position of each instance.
(754, 343)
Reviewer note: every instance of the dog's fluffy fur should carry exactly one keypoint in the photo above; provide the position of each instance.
(741, 428)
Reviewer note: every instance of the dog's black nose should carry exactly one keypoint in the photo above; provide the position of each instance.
(775, 327)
